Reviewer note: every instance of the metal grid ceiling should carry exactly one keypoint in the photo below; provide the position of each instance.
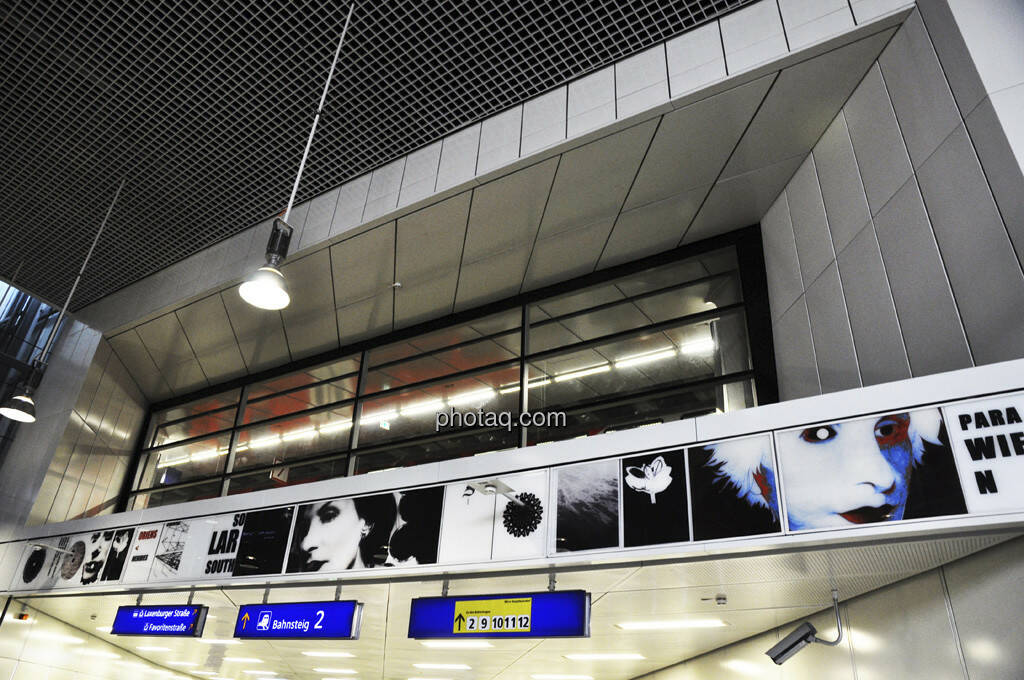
(205, 107)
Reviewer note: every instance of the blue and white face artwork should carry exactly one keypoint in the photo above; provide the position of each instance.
(854, 472)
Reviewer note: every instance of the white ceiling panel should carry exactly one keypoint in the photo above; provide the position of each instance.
(364, 265)
(366, 318)
(132, 353)
(428, 251)
(492, 278)
(309, 323)
(260, 332)
(593, 179)
(802, 103)
(506, 213)
(209, 333)
(741, 201)
(567, 254)
(166, 342)
(693, 143)
(651, 228)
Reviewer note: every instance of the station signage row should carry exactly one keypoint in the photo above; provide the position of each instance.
(552, 614)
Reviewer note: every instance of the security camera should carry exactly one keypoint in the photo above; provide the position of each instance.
(804, 635)
(792, 643)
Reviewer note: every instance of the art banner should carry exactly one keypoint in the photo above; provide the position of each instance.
(365, 532)
(733, 490)
(987, 437)
(883, 468)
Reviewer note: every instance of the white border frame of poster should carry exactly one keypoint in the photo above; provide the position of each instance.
(979, 383)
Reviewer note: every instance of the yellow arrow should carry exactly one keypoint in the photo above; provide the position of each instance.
(245, 619)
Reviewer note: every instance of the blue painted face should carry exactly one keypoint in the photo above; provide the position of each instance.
(843, 474)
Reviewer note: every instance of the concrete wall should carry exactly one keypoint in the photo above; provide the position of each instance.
(957, 622)
(888, 254)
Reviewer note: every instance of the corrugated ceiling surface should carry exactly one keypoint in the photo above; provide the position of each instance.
(205, 107)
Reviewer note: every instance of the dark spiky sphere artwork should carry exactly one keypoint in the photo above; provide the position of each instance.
(523, 520)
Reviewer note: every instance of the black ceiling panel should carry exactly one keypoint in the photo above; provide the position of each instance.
(205, 108)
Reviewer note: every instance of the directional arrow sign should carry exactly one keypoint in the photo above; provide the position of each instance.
(300, 620)
(536, 615)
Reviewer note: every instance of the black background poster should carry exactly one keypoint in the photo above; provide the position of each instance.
(654, 499)
(588, 506)
(264, 540)
(725, 495)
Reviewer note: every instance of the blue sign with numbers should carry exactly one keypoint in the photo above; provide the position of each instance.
(165, 620)
(300, 620)
(549, 614)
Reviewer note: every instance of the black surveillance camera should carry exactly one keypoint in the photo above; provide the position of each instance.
(792, 643)
(804, 635)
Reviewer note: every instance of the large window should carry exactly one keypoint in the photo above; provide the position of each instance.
(645, 343)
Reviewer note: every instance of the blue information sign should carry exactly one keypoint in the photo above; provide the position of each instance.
(172, 620)
(563, 613)
(300, 620)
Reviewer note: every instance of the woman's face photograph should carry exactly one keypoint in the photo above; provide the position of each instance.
(843, 474)
(332, 541)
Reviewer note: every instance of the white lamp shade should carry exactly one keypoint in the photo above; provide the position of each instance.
(19, 407)
(265, 289)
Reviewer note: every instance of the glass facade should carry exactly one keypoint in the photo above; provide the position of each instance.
(632, 347)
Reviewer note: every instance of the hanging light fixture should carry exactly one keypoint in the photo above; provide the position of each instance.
(21, 407)
(265, 288)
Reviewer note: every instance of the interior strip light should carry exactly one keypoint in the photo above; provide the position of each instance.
(645, 358)
(474, 397)
(573, 375)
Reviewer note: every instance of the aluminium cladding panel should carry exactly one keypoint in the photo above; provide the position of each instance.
(796, 474)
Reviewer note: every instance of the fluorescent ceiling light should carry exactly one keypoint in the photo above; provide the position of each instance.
(429, 406)
(443, 666)
(182, 663)
(605, 656)
(645, 358)
(559, 676)
(272, 440)
(456, 644)
(341, 671)
(338, 655)
(701, 346)
(334, 426)
(243, 659)
(474, 397)
(146, 648)
(672, 625)
(307, 433)
(203, 672)
(103, 629)
(251, 672)
(380, 415)
(582, 373)
(514, 387)
(430, 679)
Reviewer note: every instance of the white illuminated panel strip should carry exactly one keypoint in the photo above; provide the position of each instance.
(645, 358)
(583, 372)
